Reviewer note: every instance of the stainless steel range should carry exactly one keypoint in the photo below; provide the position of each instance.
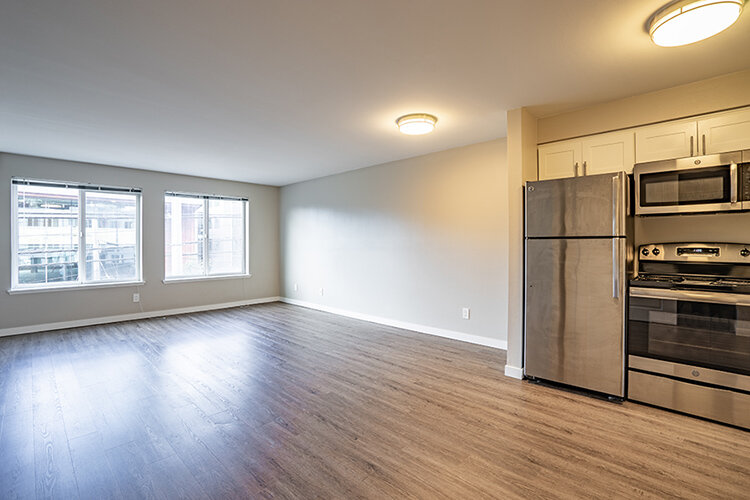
(689, 330)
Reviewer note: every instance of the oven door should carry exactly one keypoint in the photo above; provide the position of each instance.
(688, 185)
(704, 329)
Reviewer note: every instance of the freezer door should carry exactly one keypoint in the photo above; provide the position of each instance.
(575, 309)
(594, 205)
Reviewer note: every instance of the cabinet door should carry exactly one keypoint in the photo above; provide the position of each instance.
(559, 159)
(666, 141)
(724, 132)
(605, 153)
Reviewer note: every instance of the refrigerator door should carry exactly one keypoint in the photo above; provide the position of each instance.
(594, 205)
(575, 310)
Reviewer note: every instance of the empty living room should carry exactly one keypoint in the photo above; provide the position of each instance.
(424, 249)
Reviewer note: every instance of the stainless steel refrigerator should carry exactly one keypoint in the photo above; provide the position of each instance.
(578, 259)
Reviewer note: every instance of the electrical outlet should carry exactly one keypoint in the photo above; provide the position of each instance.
(466, 313)
(296, 287)
(136, 297)
(321, 292)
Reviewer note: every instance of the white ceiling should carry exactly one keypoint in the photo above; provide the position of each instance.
(279, 91)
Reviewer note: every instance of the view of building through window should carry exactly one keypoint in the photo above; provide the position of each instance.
(204, 236)
(183, 236)
(110, 236)
(77, 235)
(226, 222)
(47, 249)
(50, 234)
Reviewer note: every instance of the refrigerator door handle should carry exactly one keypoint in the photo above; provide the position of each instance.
(615, 268)
(615, 205)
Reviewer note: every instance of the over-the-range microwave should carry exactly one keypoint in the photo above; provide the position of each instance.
(712, 183)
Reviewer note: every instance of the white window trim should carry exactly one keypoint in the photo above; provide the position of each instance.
(84, 286)
(80, 284)
(13, 236)
(206, 276)
(188, 279)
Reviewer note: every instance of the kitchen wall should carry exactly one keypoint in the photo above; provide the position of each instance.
(22, 310)
(721, 228)
(411, 241)
(522, 167)
(705, 96)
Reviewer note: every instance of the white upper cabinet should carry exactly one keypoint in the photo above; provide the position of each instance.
(597, 154)
(560, 159)
(724, 132)
(665, 141)
(618, 151)
(605, 153)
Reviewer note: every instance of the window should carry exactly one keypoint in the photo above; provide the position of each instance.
(71, 235)
(204, 236)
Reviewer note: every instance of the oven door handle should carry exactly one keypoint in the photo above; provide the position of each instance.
(693, 296)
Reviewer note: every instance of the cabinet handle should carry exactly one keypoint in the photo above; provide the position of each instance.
(692, 139)
(584, 168)
(704, 143)
(576, 169)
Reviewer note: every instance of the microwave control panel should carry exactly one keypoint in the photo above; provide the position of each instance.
(744, 187)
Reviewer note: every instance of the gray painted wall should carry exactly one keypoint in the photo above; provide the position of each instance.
(413, 240)
(68, 305)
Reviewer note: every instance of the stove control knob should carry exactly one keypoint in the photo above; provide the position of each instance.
(656, 251)
(644, 252)
(744, 252)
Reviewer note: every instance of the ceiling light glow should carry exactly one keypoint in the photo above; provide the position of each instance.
(416, 123)
(689, 21)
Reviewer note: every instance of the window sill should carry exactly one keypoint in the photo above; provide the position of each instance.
(172, 281)
(85, 286)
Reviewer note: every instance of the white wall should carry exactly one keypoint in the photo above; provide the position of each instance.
(522, 167)
(22, 310)
(412, 241)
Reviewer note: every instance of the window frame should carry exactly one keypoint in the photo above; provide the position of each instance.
(82, 282)
(245, 273)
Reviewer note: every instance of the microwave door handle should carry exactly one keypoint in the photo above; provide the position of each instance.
(733, 183)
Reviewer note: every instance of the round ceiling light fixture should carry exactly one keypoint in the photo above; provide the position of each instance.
(689, 21)
(416, 123)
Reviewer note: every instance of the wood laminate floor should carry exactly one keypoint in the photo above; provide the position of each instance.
(278, 401)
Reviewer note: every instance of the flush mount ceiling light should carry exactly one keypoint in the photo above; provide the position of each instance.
(416, 123)
(688, 21)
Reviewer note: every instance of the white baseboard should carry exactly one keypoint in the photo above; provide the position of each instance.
(450, 334)
(514, 372)
(129, 317)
